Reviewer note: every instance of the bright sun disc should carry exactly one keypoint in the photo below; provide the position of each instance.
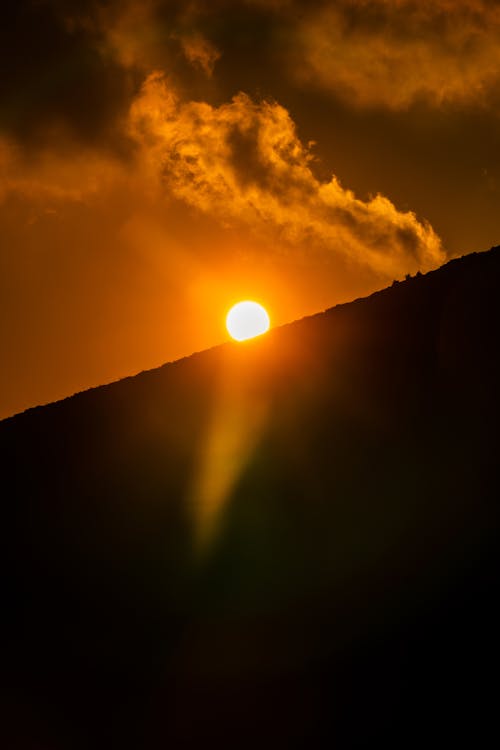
(246, 320)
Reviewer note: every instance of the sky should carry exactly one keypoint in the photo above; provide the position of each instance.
(161, 160)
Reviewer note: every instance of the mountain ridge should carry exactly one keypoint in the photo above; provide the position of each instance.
(328, 311)
(291, 542)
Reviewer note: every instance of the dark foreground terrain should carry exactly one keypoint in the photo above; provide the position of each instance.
(288, 543)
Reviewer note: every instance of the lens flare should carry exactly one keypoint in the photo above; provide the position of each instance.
(246, 320)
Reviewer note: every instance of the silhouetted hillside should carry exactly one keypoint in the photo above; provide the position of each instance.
(290, 542)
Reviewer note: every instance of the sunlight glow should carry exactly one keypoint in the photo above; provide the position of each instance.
(246, 320)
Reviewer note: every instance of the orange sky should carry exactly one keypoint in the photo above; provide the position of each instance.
(160, 160)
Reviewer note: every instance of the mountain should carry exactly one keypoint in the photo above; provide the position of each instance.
(292, 541)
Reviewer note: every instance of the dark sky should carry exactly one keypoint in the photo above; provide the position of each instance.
(161, 160)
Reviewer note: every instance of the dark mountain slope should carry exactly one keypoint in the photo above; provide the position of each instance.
(278, 542)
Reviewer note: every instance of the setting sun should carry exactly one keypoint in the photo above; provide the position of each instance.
(246, 320)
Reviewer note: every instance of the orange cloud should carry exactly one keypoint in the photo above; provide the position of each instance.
(243, 163)
(139, 37)
(391, 53)
(199, 52)
(52, 177)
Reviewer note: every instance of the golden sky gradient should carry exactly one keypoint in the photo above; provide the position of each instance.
(160, 160)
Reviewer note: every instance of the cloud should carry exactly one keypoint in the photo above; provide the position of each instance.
(391, 53)
(51, 178)
(200, 52)
(60, 80)
(243, 163)
(72, 67)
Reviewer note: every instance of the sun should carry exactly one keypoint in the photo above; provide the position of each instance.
(246, 320)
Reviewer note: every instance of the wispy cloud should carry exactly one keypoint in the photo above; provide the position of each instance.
(243, 163)
(391, 53)
(199, 52)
